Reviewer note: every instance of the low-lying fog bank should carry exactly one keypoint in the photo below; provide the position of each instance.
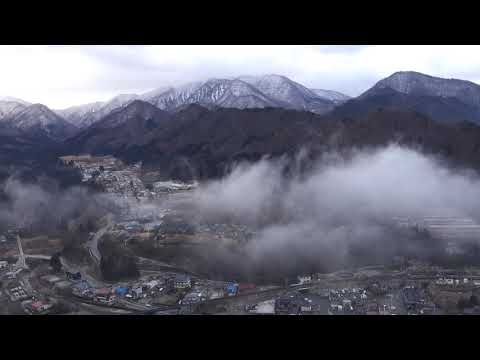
(338, 214)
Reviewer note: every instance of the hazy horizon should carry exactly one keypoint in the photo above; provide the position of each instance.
(65, 76)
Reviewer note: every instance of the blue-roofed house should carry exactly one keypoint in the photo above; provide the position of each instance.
(121, 290)
(232, 289)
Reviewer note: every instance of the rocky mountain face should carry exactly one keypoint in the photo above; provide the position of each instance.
(289, 93)
(240, 93)
(214, 92)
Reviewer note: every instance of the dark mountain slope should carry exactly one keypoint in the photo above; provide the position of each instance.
(22, 151)
(119, 130)
(415, 83)
(206, 145)
(201, 143)
(446, 100)
(446, 110)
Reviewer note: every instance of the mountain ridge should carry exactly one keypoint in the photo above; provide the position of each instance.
(212, 93)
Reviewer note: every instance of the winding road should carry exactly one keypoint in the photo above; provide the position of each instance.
(92, 245)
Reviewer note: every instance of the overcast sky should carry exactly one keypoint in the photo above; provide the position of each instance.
(62, 76)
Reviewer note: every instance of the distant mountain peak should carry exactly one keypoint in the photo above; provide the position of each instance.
(134, 110)
(10, 108)
(124, 97)
(39, 107)
(139, 105)
(243, 92)
(335, 96)
(415, 82)
(38, 118)
(445, 100)
(14, 99)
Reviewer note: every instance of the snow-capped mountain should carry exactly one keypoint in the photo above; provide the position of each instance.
(289, 93)
(170, 98)
(331, 95)
(39, 118)
(241, 93)
(244, 92)
(122, 128)
(14, 99)
(414, 83)
(445, 100)
(214, 92)
(137, 109)
(10, 108)
(82, 116)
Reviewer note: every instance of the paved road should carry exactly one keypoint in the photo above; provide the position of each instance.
(21, 257)
(38, 256)
(92, 245)
(133, 306)
(35, 256)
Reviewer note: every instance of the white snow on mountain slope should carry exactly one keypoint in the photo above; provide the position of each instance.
(289, 93)
(278, 87)
(120, 101)
(75, 113)
(213, 92)
(334, 96)
(410, 82)
(135, 109)
(41, 119)
(242, 92)
(33, 115)
(230, 93)
(10, 108)
(169, 98)
(83, 116)
(14, 99)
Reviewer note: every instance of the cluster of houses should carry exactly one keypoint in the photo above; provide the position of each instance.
(195, 291)
(38, 307)
(83, 289)
(446, 281)
(110, 173)
(18, 293)
(293, 304)
(348, 300)
(211, 290)
(132, 291)
(416, 300)
(89, 166)
(9, 271)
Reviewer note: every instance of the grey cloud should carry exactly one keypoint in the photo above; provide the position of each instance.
(45, 207)
(338, 214)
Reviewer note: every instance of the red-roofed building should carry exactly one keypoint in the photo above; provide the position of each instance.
(246, 286)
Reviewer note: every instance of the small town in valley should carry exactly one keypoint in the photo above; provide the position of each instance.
(38, 278)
